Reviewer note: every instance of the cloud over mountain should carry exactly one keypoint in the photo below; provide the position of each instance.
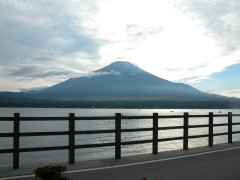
(177, 40)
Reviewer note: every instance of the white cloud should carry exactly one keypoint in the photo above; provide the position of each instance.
(47, 36)
(175, 40)
(220, 17)
(182, 41)
(229, 93)
(102, 73)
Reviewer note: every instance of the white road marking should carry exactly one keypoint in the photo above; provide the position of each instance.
(130, 164)
(17, 177)
(152, 161)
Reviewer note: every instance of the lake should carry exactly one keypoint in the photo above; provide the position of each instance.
(40, 158)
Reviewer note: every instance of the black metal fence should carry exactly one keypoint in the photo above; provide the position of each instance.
(71, 132)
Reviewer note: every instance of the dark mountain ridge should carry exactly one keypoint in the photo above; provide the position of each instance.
(120, 84)
(122, 79)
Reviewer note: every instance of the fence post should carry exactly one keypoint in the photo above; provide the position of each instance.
(185, 131)
(155, 133)
(16, 129)
(118, 135)
(210, 129)
(229, 127)
(71, 138)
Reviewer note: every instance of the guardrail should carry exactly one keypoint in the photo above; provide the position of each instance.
(71, 132)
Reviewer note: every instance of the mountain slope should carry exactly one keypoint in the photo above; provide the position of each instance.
(119, 85)
(123, 80)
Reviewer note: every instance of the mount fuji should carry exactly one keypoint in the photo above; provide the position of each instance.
(123, 84)
(122, 80)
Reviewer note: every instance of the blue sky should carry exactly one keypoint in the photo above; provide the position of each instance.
(225, 82)
(45, 42)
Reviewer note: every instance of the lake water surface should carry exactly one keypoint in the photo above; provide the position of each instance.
(40, 158)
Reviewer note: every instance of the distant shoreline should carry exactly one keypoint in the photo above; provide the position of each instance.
(122, 104)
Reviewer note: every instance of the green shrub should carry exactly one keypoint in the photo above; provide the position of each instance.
(51, 172)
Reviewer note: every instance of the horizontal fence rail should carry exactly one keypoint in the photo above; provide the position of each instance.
(118, 131)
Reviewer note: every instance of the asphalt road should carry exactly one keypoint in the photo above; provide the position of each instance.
(215, 166)
(221, 165)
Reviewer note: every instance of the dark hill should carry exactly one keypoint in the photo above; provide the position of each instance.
(123, 80)
(120, 84)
